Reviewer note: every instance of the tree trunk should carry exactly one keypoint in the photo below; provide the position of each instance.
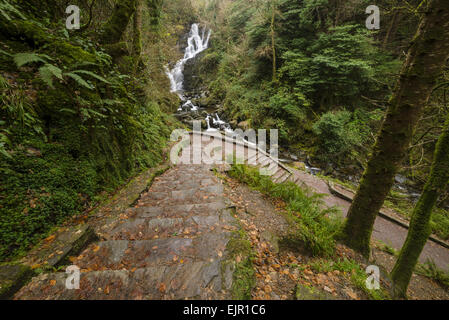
(113, 29)
(390, 28)
(426, 58)
(420, 224)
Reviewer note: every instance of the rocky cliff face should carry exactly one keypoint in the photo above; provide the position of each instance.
(193, 83)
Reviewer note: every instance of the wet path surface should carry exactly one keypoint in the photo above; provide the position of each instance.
(170, 246)
(173, 243)
(384, 230)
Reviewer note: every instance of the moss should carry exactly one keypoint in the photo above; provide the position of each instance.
(425, 62)
(310, 293)
(420, 224)
(117, 50)
(244, 274)
(113, 29)
(12, 278)
(37, 37)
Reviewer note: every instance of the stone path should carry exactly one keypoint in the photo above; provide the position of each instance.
(384, 229)
(172, 245)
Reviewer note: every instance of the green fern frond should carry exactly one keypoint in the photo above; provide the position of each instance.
(6, 7)
(67, 110)
(5, 53)
(24, 58)
(48, 71)
(94, 75)
(79, 80)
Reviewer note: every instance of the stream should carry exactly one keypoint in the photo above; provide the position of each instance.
(197, 42)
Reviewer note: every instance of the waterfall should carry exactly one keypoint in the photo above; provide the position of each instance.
(195, 45)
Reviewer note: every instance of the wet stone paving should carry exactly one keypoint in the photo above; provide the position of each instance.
(171, 245)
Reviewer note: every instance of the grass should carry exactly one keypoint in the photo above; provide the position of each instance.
(430, 270)
(349, 266)
(386, 248)
(314, 226)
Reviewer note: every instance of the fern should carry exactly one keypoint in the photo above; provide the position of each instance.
(6, 7)
(79, 80)
(24, 58)
(48, 71)
(94, 75)
(5, 53)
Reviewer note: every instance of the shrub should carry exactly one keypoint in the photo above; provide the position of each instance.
(314, 226)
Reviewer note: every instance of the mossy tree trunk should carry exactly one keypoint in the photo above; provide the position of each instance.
(420, 224)
(426, 58)
(115, 27)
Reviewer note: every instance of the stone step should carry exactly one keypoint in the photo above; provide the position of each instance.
(197, 280)
(179, 198)
(185, 194)
(283, 178)
(194, 174)
(177, 211)
(279, 173)
(145, 229)
(129, 255)
(178, 185)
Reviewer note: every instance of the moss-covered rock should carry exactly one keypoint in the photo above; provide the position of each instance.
(12, 278)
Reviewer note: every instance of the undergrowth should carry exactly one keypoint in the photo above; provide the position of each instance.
(76, 122)
(351, 267)
(314, 225)
(430, 270)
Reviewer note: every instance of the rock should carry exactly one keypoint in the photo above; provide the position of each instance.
(272, 239)
(67, 242)
(274, 296)
(12, 278)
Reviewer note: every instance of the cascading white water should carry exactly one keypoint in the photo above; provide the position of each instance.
(195, 45)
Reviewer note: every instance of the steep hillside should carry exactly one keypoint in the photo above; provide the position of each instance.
(81, 112)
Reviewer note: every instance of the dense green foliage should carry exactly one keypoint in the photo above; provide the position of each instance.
(314, 226)
(321, 67)
(331, 84)
(74, 122)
